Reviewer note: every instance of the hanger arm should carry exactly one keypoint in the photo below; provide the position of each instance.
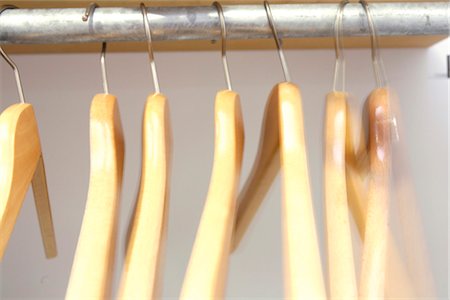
(142, 273)
(341, 267)
(21, 163)
(265, 168)
(398, 281)
(373, 269)
(206, 273)
(93, 264)
(302, 263)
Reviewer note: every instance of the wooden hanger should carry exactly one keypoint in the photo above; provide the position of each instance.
(21, 162)
(142, 273)
(373, 270)
(206, 274)
(302, 265)
(341, 267)
(141, 277)
(93, 264)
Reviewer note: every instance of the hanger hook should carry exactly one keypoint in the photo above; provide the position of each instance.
(287, 77)
(89, 12)
(223, 32)
(148, 33)
(378, 66)
(338, 32)
(11, 62)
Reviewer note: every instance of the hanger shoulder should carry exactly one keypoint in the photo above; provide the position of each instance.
(94, 258)
(373, 269)
(141, 277)
(303, 270)
(20, 162)
(206, 274)
(264, 170)
(341, 268)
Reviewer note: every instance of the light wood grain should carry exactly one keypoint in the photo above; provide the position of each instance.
(20, 163)
(207, 270)
(264, 170)
(303, 269)
(142, 273)
(254, 44)
(373, 269)
(341, 267)
(93, 264)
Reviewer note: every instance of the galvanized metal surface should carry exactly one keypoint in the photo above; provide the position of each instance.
(53, 26)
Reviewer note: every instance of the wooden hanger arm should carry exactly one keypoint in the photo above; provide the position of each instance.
(206, 273)
(398, 280)
(302, 263)
(142, 273)
(265, 169)
(41, 199)
(373, 269)
(341, 267)
(93, 264)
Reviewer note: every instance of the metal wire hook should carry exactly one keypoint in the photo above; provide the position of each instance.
(287, 77)
(378, 66)
(377, 62)
(11, 62)
(338, 32)
(89, 12)
(148, 33)
(223, 32)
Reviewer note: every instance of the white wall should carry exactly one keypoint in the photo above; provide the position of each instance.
(61, 87)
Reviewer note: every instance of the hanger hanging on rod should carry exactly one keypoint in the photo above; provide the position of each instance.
(302, 264)
(143, 270)
(93, 264)
(283, 129)
(21, 163)
(206, 274)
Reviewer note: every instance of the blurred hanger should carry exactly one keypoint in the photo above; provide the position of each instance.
(357, 172)
(21, 162)
(207, 271)
(341, 267)
(93, 263)
(142, 273)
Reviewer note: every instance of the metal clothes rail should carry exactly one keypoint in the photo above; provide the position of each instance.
(64, 25)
